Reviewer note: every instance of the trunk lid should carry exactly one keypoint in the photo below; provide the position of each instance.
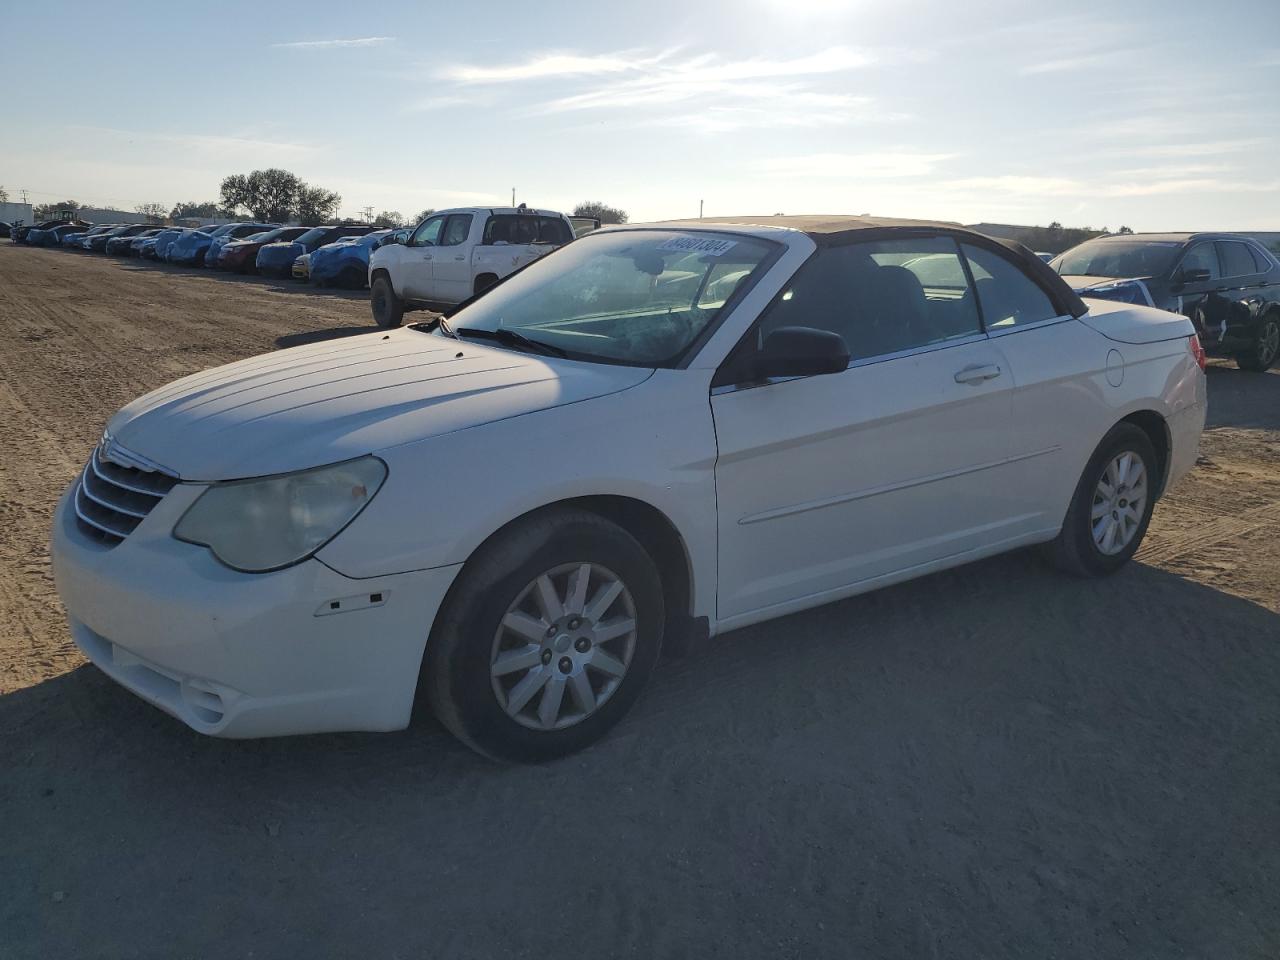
(1129, 323)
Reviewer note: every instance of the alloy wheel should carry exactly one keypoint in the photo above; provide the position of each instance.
(1269, 342)
(1119, 503)
(564, 646)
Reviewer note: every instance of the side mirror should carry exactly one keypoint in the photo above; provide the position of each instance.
(1193, 275)
(801, 352)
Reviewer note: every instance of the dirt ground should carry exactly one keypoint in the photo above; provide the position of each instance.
(992, 762)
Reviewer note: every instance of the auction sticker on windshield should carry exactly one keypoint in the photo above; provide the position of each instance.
(712, 248)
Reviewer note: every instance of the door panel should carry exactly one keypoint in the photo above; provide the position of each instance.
(451, 280)
(417, 260)
(825, 481)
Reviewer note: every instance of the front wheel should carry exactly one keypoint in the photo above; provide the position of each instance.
(1112, 506)
(388, 309)
(1265, 348)
(547, 639)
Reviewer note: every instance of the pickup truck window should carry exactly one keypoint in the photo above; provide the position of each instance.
(456, 229)
(525, 228)
(428, 233)
(637, 297)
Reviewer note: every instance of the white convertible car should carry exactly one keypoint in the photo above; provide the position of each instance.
(656, 433)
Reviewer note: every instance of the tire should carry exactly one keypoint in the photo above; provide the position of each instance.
(499, 586)
(484, 282)
(1265, 349)
(388, 309)
(1076, 550)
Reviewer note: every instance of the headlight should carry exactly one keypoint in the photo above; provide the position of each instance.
(275, 522)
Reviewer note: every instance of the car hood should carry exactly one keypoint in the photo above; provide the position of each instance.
(287, 250)
(339, 399)
(1081, 283)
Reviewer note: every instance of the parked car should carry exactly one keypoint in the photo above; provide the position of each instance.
(98, 243)
(21, 233)
(301, 268)
(1229, 285)
(727, 421)
(239, 255)
(345, 263)
(276, 259)
(5, 227)
(76, 241)
(157, 248)
(188, 248)
(121, 246)
(237, 231)
(454, 254)
(53, 236)
(134, 249)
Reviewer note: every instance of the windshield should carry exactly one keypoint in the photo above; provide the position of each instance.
(638, 297)
(1117, 258)
(311, 236)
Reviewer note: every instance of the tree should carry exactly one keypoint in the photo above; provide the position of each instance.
(276, 195)
(1125, 231)
(315, 205)
(51, 211)
(601, 211)
(389, 218)
(191, 210)
(424, 214)
(4, 195)
(152, 211)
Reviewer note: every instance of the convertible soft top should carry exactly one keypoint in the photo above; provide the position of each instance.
(829, 230)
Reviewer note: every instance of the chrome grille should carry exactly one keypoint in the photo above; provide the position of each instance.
(111, 500)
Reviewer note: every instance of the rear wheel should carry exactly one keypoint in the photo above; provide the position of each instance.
(547, 639)
(1265, 349)
(388, 309)
(1112, 506)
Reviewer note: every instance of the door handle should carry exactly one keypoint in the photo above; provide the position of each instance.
(459, 258)
(426, 256)
(978, 374)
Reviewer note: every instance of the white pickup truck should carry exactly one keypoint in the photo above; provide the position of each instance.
(454, 254)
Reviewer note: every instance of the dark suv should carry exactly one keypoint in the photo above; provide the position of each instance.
(1227, 284)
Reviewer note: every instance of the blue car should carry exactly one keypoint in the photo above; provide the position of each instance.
(53, 237)
(276, 259)
(76, 241)
(346, 262)
(233, 231)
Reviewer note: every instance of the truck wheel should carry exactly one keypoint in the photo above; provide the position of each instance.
(1265, 349)
(547, 638)
(388, 309)
(484, 282)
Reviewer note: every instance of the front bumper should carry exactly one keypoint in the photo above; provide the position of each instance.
(244, 655)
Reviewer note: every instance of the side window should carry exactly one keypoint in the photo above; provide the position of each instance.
(428, 233)
(456, 230)
(497, 230)
(1236, 259)
(1202, 257)
(881, 297)
(553, 230)
(1260, 258)
(1008, 297)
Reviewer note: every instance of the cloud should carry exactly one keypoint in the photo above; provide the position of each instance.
(329, 44)
(1106, 185)
(663, 81)
(854, 166)
(1066, 64)
(552, 65)
(203, 144)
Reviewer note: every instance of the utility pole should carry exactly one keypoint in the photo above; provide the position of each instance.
(368, 214)
(699, 209)
(24, 196)
(513, 196)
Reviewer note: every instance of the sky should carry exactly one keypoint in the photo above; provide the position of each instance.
(1154, 115)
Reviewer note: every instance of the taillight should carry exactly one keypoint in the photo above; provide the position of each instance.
(1197, 351)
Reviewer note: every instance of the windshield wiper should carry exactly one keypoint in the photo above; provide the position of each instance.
(510, 338)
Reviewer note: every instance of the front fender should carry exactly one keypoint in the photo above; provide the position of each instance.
(446, 495)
